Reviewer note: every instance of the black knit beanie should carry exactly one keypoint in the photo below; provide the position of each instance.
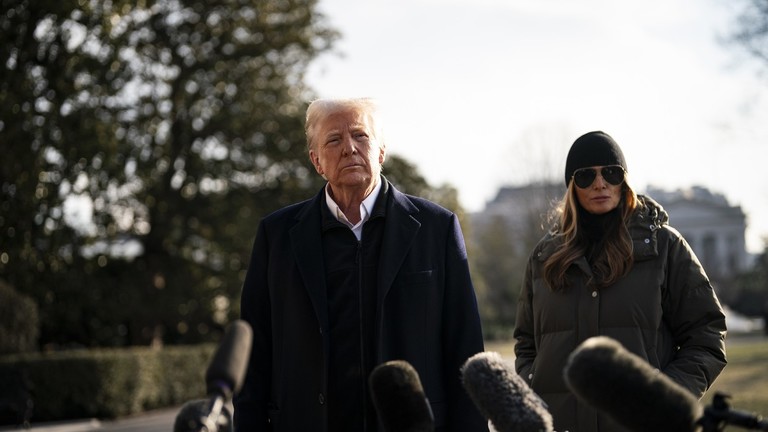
(593, 149)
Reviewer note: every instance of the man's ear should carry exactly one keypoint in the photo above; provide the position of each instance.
(315, 159)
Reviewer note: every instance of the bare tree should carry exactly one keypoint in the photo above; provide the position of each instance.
(752, 29)
(506, 231)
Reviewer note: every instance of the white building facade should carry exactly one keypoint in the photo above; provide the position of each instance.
(714, 228)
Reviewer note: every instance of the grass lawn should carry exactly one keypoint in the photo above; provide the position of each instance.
(745, 378)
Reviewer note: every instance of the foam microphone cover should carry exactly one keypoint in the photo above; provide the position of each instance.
(502, 396)
(621, 384)
(399, 398)
(226, 372)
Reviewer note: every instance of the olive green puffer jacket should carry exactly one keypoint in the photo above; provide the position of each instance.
(664, 310)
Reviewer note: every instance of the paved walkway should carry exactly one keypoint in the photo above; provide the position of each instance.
(152, 421)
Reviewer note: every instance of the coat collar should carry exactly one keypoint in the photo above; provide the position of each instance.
(400, 231)
(644, 227)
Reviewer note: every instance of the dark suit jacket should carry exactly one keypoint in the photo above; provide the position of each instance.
(426, 314)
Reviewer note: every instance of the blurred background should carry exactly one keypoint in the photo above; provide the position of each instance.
(142, 141)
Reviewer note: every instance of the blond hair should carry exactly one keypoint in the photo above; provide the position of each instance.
(319, 109)
(611, 262)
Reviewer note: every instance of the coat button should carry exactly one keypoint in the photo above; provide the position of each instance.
(530, 376)
(647, 241)
(321, 399)
(594, 293)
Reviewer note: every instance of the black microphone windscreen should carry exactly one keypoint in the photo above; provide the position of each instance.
(399, 398)
(621, 384)
(226, 372)
(502, 396)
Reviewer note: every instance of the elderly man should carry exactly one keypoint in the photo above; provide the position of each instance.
(356, 276)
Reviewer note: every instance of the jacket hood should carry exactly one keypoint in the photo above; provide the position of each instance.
(652, 210)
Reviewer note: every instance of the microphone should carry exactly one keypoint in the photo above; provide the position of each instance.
(502, 396)
(223, 378)
(226, 372)
(399, 398)
(628, 389)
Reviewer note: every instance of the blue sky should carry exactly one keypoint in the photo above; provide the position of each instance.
(487, 93)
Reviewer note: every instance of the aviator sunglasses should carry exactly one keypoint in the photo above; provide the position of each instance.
(613, 174)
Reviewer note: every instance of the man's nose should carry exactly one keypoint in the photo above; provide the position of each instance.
(348, 145)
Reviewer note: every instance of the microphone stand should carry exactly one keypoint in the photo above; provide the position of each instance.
(224, 376)
(207, 415)
(719, 414)
(213, 423)
(204, 415)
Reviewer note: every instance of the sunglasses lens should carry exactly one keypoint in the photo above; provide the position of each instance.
(584, 177)
(613, 174)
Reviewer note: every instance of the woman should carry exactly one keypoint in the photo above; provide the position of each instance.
(612, 266)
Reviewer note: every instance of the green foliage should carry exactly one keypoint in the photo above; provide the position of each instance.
(497, 268)
(750, 289)
(148, 139)
(106, 383)
(744, 378)
(171, 127)
(501, 242)
(18, 321)
(405, 176)
(175, 379)
(407, 179)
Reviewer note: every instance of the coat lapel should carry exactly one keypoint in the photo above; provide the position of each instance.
(306, 244)
(399, 233)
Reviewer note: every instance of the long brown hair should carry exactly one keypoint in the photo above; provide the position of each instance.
(612, 261)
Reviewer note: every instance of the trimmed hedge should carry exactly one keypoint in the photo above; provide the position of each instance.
(102, 383)
(19, 321)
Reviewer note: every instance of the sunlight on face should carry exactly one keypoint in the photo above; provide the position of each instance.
(346, 150)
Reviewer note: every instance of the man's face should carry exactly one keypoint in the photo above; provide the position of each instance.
(346, 150)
